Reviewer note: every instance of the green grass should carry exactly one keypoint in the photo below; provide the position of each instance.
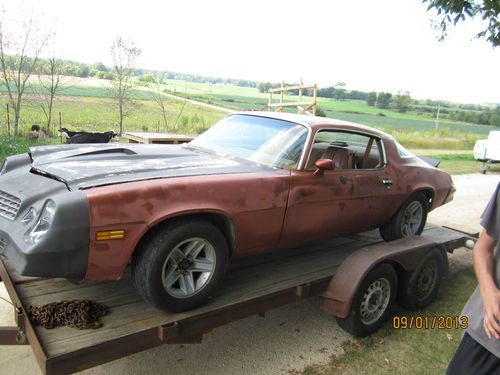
(412, 129)
(459, 162)
(10, 145)
(101, 114)
(411, 351)
(99, 89)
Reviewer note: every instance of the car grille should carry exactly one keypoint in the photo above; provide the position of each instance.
(2, 244)
(9, 205)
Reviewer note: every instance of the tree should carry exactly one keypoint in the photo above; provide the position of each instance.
(160, 98)
(19, 52)
(454, 11)
(264, 87)
(124, 54)
(326, 92)
(339, 92)
(99, 66)
(371, 99)
(402, 101)
(51, 81)
(384, 99)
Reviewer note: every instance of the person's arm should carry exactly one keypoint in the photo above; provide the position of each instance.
(483, 265)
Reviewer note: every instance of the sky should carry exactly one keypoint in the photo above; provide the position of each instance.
(384, 45)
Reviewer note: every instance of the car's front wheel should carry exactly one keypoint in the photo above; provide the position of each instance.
(180, 266)
(409, 220)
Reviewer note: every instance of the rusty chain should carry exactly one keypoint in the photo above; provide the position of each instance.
(81, 314)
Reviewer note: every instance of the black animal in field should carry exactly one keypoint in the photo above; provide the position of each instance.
(71, 133)
(85, 137)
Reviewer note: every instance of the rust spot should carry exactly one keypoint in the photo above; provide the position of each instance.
(305, 192)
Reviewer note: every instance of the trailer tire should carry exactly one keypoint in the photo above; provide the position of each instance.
(372, 302)
(419, 287)
(409, 220)
(180, 266)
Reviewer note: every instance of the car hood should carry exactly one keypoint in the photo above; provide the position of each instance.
(85, 166)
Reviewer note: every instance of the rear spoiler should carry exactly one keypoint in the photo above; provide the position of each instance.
(431, 161)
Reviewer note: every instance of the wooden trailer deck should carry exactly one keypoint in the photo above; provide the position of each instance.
(132, 325)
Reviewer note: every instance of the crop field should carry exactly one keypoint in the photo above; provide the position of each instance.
(87, 104)
(413, 129)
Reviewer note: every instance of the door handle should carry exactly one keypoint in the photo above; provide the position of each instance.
(387, 182)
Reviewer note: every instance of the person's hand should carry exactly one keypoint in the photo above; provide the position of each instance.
(491, 306)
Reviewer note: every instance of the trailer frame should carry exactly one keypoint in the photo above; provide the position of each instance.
(259, 288)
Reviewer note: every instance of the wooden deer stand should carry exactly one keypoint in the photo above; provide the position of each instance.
(304, 107)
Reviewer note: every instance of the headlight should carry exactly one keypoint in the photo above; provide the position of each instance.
(43, 223)
(29, 217)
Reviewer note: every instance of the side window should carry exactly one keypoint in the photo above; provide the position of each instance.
(347, 150)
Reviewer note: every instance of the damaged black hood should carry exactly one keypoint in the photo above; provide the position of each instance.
(85, 166)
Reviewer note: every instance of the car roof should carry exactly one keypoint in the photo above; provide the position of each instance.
(315, 122)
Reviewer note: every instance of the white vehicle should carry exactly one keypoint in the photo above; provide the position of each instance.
(488, 150)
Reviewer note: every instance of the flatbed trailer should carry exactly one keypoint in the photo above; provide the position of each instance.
(250, 287)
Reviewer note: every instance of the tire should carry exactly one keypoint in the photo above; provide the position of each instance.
(409, 220)
(372, 302)
(419, 287)
(178, 267)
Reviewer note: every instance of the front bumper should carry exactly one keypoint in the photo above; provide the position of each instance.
(61, 252)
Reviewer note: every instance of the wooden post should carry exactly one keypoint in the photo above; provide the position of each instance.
(300, 90)
(60, 126)
(437, 118)
(315, 91)
(302, 107)
(8, 120)
(280, 109)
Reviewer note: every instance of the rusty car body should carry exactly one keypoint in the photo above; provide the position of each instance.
(254, 183)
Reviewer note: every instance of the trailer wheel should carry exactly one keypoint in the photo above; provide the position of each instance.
(372, 303)
(418, 288)
(409, 220)
(180, 266)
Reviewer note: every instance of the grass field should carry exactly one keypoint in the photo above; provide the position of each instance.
(88, 104)
(100, 113)
(414, 130)
(411, 351)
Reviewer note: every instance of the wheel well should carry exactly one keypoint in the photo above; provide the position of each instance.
(429, 195)
(222, 222)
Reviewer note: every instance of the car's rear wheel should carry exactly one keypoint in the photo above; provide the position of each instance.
(409, 220)
(180, 266)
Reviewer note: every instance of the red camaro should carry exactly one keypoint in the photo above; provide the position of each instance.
(252, 184)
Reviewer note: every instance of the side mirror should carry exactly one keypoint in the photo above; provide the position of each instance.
(324, 165)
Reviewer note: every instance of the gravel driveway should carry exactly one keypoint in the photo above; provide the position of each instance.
(288, 338)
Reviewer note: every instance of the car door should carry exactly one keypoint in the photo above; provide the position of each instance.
(351, 198)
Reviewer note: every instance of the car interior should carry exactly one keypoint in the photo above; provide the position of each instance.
(347, 150)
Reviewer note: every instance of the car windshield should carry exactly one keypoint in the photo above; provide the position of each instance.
(267, 141)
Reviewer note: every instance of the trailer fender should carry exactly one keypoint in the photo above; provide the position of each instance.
(406, 253)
